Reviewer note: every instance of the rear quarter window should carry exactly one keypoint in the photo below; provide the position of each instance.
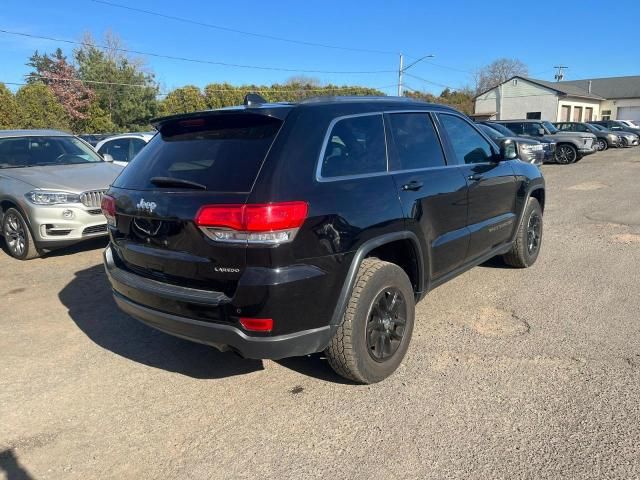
(355, 146)
(223, 152)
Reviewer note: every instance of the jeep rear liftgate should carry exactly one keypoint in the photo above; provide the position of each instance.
(176, 207)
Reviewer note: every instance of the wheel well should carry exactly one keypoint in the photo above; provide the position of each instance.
(6, 205)
(539, 195)
(403, 254)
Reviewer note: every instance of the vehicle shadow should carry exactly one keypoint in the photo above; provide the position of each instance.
(84, 246)
(10, 465)
(496, 262)
(315, 366)
(91, 306)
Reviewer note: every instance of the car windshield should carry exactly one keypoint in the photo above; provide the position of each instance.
(596, 126)
(35, 151)
(549, 126)
(493, 134)
(502, 129)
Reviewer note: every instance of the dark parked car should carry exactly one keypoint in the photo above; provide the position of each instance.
(278, 230)
(570, 146)
(617, 126)
(529, 150)
(627, 136)
(548, 146)
(605, 138)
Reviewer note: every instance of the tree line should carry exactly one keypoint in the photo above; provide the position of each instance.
(101, 89)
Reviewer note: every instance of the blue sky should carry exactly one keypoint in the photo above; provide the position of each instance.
(595, 39)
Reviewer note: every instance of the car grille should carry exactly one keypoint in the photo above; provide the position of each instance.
(92, 199)
(95, 229)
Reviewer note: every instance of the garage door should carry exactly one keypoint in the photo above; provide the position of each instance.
(629, 113)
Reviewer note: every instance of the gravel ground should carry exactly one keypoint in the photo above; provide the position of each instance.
(511, 373)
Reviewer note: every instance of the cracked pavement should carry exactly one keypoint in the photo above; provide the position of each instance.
(511, 373)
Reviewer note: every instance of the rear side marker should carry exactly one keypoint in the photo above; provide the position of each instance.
(257, 324)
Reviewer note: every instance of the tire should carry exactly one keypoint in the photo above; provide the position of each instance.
(17, 236)
(566, 154)
(602, 145)
(525, 249)
(366, 347)
(625, 142)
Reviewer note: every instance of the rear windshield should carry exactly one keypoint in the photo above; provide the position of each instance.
(223, 152)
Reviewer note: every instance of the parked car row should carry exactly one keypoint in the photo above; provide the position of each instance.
(566, 142)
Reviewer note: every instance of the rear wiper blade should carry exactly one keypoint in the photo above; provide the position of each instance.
(177, 182)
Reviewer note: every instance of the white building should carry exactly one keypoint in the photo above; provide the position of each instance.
(577, 100)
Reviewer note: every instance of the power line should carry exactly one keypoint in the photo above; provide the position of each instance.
(242, 32)
(431, 82)
(194, 60)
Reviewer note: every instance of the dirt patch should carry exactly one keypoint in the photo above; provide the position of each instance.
(626, 238)
(588, 186)
(495, 322)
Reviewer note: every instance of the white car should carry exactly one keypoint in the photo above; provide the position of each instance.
(122, 148)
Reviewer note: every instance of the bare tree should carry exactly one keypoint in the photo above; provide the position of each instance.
(497, 72)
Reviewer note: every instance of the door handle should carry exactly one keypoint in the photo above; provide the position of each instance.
(413, 185)
(474, 177)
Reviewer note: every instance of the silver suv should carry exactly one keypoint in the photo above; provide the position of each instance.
(51, 186)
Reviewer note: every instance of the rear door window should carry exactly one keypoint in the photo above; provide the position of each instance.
(223, 152)
(355, 146)
(118, 149)
(415, 142)
(136, 146)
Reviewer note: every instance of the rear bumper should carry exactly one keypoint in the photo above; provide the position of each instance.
(227, 337)
(211, 318)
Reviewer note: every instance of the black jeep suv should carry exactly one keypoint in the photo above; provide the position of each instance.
(278, 230)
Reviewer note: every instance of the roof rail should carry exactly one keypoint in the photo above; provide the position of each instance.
(351, 98)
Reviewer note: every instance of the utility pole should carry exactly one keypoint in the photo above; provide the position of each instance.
(402, 69)
(400, 72)
(560, 75)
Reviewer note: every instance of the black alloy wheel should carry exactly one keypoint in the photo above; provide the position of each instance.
(566, 154)
(386, 322)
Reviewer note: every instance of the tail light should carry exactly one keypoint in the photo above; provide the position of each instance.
(271, 223)
(108, 205)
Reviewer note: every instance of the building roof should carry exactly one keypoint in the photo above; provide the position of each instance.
(567, 88)
(612, 87)
(601, 88)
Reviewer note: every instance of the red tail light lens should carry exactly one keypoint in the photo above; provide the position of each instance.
(108, 205)
(257, 324)
(257, 223)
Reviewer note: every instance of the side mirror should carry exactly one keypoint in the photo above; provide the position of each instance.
(508, 150)
(107, 158)
(541, 132)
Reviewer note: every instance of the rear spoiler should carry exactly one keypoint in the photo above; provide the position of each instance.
(251, 107)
